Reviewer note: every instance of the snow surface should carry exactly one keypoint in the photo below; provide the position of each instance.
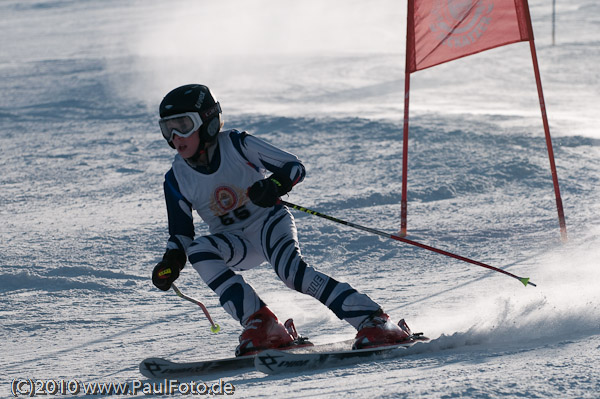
(82, 218)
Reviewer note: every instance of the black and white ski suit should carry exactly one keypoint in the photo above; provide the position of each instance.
(243, 235)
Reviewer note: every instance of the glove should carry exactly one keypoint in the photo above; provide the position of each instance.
(265, 193)
(167, 270)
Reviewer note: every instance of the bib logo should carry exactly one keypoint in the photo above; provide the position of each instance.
(225, 198)
(459, 23)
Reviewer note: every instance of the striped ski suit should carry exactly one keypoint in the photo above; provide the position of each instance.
(243, 235)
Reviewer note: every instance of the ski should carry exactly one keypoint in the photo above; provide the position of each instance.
(155, 367)
(273, 361)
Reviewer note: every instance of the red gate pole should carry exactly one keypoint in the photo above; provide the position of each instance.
(404, 200)
(407, 70)
(538, 81)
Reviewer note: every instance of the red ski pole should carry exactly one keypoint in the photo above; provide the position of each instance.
(214, 328)
(524, 280)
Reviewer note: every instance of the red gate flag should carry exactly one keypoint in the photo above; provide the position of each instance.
(444, 30)
(439, 31)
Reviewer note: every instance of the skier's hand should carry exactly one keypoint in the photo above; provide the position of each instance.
(265, 193)
(167, 270)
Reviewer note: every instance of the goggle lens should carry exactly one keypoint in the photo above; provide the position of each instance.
(182, 125)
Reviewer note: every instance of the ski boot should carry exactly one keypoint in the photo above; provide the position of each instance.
(263, 331)
(379, 330)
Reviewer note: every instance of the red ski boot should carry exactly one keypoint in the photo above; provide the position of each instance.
(264, 331)
(379, 330)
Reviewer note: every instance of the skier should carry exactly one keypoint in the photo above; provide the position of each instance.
(234, 181)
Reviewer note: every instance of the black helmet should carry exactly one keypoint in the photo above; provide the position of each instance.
(193, 98)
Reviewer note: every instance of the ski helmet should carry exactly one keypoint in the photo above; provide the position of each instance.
(194, 98)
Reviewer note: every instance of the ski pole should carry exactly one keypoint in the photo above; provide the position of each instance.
(214, 328)
(524, 280)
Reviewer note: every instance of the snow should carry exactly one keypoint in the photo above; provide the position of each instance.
(82, 220)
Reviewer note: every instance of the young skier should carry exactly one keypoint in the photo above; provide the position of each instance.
(234, 180)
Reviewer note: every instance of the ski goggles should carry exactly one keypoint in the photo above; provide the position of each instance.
(182, 125)
(186, 123)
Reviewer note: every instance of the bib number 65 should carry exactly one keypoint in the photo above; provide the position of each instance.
(237, 214)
